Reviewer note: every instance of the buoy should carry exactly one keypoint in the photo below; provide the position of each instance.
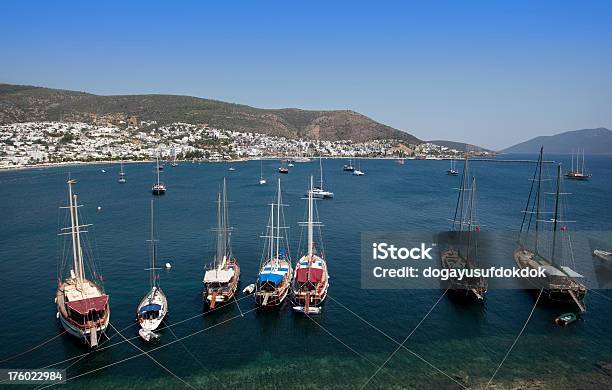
(99, 208)
(168, 265)
(57, 315)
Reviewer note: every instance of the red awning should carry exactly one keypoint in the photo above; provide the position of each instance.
(84, 306)
(315, 275)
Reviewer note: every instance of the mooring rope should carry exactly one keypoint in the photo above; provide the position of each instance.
(515, 340)
(601, 295)
(405, 340)
(147, 354)
(32, 349)
(398, 343)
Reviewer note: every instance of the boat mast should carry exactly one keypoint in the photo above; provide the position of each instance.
(321, 171)
(73, 232)
(310, 223)
(226, 228)
(219, 257)
(538, 198)
(271, 232)
(152, 273)
(471, 218)
(278, 205)
(582, 169)
(157, 167)
(556, 215)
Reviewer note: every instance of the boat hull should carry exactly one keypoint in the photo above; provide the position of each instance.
(84, 334)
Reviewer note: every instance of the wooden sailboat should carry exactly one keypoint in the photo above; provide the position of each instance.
(577, 172)
(122, 177)
(465, 229)
(311, 280)
(154, 306)
(283, 168)
(349, 167)
(158, 188)
(318, 191)
(452, 171)
(261, 178)
(82, 305)
(275, 273)
(560, 284)
(222, 277)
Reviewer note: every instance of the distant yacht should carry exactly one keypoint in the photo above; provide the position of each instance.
(349, 167)
(222, 277)
(275, 273)
(452, 171)
(261, 178)
(319, 192)
(122, 177)
(154, 306)
(283, 168)
(578, 172)
(358, 171)
(311, 280)
(174, 163)
(231, 169)
(158, 188)
(82, 305)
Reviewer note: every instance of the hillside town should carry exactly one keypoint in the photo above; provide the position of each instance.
(34, 143)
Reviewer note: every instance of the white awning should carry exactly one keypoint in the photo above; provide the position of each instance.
(552, 271)
(571, 273)
(218, 276)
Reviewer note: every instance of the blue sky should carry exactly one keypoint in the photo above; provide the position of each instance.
(487, 72)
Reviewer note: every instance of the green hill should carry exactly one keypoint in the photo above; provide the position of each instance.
(19, 103)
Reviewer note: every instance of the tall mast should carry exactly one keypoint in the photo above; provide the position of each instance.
(538, 198)
(219, 257)
(75, 256)
(310, 222)
(157, 167)
(471, 217)
(582, 170)
(572, 161)
(226, 236)
(152, 274)
(278, 206)
(80, 272)
(464, 184)
(556, 215)
(321, 171)
(271, 231)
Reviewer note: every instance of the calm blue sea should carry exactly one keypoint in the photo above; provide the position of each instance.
(267, 349)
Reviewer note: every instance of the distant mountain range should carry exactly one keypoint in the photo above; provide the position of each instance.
(19, 103)
(593, 141)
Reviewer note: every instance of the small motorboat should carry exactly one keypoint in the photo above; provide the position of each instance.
(566, 319)
(147, 335)
(357, 172)
(231, 169)
(604, 255)
(308, 310)
(249, 289)
(168, 265)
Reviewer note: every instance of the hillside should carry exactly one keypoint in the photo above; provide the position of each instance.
(593, 141)
(20, 103)
(460, 146)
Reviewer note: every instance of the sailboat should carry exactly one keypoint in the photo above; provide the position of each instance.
(158, 188)
(464, 232)
(319, 192)
(122, 177)
(578, 172)
(222, 277)
(261, 178)
(283, 168)
(311, 280)
(349, 167)
(358, 171)
(452, 171)
(82, 304)
(154, 306)
(560, 284)
(275, 273)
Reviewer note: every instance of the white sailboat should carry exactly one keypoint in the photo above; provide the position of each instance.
(222, 277)
(319, 192)
(261, 178)
(452, 171)
(122, 177)
(82, 305)
(275, 273)
(154, 306)
(174, 163)
(311, 280)
(158, 188)
(358, 171)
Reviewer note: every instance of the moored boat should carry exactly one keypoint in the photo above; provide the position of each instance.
(82, 304)
(578, 172)
(311, 279)
(154, 306)
(122, 178)
(222, 276)
(318, 191)
(275, 272)
(158, 188)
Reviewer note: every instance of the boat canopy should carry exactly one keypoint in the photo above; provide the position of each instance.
(218, 276)
(274, 276)
(84, 306)
(309, 274)
(552, 271)
(150, 307)
(571, 273)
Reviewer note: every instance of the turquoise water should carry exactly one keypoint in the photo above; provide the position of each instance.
(277, 348)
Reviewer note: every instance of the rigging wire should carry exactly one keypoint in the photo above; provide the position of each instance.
(515, 340)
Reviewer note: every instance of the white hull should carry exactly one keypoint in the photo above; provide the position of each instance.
(155, 296)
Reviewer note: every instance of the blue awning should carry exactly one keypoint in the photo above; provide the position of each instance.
(151, 307)
(269, 277)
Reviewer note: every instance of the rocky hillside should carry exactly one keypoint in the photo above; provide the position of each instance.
(20, 103)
